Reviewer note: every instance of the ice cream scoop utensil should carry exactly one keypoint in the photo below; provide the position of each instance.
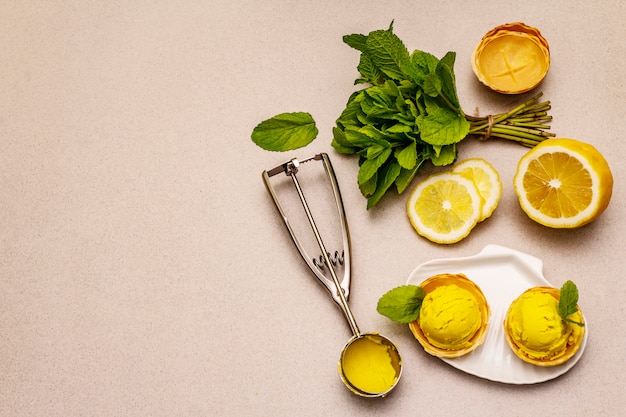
(361, 347)
(316, 265)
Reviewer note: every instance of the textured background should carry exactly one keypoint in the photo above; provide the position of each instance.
(143, 269)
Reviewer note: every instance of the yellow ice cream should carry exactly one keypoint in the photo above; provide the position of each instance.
(449, 317)
(371, 365)
(535, 328)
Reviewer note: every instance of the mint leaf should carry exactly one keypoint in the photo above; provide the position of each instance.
(374, 151)
(445, 72)
(407, 156)
(377, 136)
(444, 155)
(371, 166)
(349, 116)
(402, 304)
(357, 138)
(432, 85)
(369, 187)
(398, 128)
(568, 300)
(370, 73)
(442, 126)
(422, 64)
(386, 177)
(406, 175)
(341, 144)
(388, 53)
(356, 41)
(285, 132)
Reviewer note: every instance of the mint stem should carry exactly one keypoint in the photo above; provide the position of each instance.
(523, 124)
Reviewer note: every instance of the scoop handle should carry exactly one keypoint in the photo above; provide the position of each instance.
(342, 297)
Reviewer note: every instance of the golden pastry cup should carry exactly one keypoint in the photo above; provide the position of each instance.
(512, 58)
(572, 345)
(461, 281)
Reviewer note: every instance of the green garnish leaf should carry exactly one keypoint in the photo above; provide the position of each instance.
(356, 41)
(370, 167)
(406, 175)
(443, 127)
(444, 155)
(568, 300)
(407, 156)
(285, 132)
(388, 53)
(387, 175)
(402, 304)
(369, 71)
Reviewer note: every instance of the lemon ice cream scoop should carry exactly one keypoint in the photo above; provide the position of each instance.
(453, 317)
(537, 333)
(449, 317)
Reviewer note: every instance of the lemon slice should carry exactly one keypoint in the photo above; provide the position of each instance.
(444, 207)
(563, 183)
(487, 181)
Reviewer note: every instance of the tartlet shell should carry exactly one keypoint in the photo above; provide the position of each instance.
(522, 29)
(463, 282)
(570, 350)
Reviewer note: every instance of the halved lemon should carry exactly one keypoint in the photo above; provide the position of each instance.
(487, 181)
(444, 207)
(563, 183)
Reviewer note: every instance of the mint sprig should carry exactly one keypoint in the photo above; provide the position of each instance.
(568, 301)
(285, 132)
(402, 304)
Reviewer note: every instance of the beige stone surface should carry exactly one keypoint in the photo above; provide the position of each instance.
(143, 268)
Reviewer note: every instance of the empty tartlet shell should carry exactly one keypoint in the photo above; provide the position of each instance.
(571, 348)
(512, 31)
(461, 281)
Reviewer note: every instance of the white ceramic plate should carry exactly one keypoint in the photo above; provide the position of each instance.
(502, 274)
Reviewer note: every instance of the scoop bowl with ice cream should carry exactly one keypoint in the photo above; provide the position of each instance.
(536, 332)
(453, 317)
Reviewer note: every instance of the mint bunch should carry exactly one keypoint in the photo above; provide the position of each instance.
(410, 114)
